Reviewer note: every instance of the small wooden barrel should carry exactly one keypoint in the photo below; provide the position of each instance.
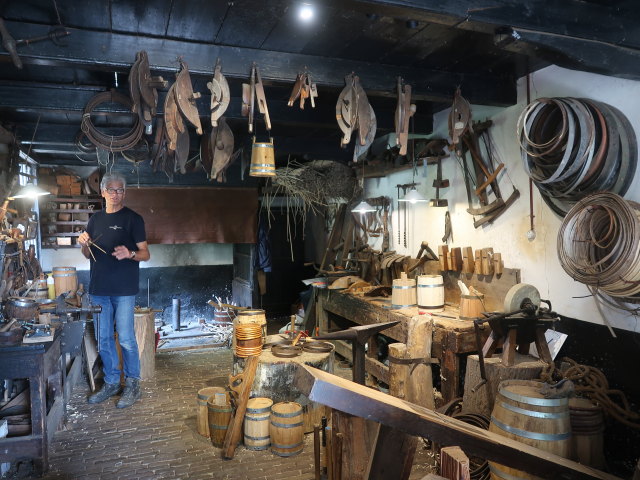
(222, 316)
(286, 429)
(65, 280)
(262, 159)
(204, 394)
(471, 307)
(403, 292)
(256, 423)
(248, 338)
(587, 426)
(218, 418)
(522, 413)
(430, 293)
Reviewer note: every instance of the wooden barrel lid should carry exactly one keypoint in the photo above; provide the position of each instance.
(528, 391)
(259, 404)
(284, 409)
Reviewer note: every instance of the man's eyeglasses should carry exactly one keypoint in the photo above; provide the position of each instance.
(119, 191)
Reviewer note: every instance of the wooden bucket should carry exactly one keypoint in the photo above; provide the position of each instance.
(286, 429)
(471, 307)
(218, 418)
(204, 394)
(403, 292)
(248, 338)
(522, 413)
(587, 426)
(254, 315)
(430, 293)
(65, 280)
(262, 159)
(256, 423)
(223, 316)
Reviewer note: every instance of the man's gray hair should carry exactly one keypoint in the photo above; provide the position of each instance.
(112, 177)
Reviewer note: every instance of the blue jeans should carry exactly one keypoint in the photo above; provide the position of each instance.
(117, 311)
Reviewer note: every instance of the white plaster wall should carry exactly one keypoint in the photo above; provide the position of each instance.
(537, 259)
(161, 256)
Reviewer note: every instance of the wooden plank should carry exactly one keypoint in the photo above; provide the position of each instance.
(420, 382)
(372, 366)
(354, 399)
(454, 464)
(392, 456)
(359, 436)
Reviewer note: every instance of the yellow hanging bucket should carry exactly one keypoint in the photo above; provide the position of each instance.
(262, 159)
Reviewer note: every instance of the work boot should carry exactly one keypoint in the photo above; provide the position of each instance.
(107, 390)
(130, 394)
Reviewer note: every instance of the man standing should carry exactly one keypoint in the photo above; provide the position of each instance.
(115, 241)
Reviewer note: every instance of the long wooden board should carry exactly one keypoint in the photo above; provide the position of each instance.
(361, 401)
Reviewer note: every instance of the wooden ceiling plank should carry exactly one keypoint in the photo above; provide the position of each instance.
(111, 50)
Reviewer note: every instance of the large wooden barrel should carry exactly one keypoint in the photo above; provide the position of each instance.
(471, 307)
(522, 413)
(430, 293)
(256, 423)
(587, 426)
(218, 418)
(262, 159)
(204, 394)
(65, 280)
(403, 292)
(286, 429)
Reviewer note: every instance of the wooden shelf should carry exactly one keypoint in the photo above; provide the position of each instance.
(77, 201)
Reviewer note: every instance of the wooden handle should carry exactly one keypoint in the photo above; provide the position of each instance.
(8, 326)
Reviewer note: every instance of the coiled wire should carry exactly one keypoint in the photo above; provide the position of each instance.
(599, 245)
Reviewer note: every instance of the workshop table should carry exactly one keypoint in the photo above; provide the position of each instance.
(40, 364)
(452, 338)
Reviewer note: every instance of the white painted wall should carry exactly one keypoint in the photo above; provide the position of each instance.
(537, 259)
(161, 256)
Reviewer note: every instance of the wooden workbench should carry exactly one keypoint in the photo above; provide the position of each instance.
(452, 338)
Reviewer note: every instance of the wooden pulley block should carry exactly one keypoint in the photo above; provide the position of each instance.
(221, 149)
(172, 119)
(520, 293)
(220, 94)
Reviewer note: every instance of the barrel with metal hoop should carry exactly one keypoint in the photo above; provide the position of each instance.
(522, 413)
(204, 394)
(430, 293)
(286, 429)
(218, 417)
(39, 289)
(471, 307)
(256, 423)
(262, 159)
(403, 292)
(65, 280)
(587, 427)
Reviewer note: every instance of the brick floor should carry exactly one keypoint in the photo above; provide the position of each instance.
(157, 437)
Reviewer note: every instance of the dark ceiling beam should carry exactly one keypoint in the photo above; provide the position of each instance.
(105, 50)
(607, 22)
(596, 57)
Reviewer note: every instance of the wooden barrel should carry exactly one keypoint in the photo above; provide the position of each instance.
(286, 429)
(522, 413)
(248, 338)
(218, 418)
(256, 423)
(430, 293)
(204, 394)
(471, 307)
(21, 308)
(587, 426)
(65, 280)
(39, 290)
(250, 315)
(262, 159)
(222, 316)
(403, 292)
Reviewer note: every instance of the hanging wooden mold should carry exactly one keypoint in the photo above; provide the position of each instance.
(353, 112)
(303, 88)
(404, 111)
(216, 151)
(220, 94)
(262, 153)
(143, 90)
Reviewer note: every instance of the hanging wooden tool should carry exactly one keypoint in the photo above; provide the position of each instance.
(143, 90)
(404, 111)
(220, 94)
(253, 93)
(303, 88)
(221, 150)
(353, 111)
(439, 183)
(186, 97)
(459, 119)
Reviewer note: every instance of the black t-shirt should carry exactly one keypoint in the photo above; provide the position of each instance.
(110, 276)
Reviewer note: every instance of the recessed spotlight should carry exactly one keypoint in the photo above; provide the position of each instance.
(306, 12)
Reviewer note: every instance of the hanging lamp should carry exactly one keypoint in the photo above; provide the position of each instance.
(413, 196)
(29, 191)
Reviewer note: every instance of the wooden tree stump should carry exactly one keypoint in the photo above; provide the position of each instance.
(481, 401)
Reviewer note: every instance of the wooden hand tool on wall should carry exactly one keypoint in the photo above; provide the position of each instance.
(220, 94)
(404, 111)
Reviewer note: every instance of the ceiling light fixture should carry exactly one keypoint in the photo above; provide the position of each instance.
(29, 191)
(363, 207)
(413, 196)
(306, 12)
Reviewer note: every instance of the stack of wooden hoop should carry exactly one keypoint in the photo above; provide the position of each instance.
(249, 340)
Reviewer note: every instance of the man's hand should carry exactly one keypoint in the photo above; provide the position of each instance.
(121, 252)
(84, 239)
